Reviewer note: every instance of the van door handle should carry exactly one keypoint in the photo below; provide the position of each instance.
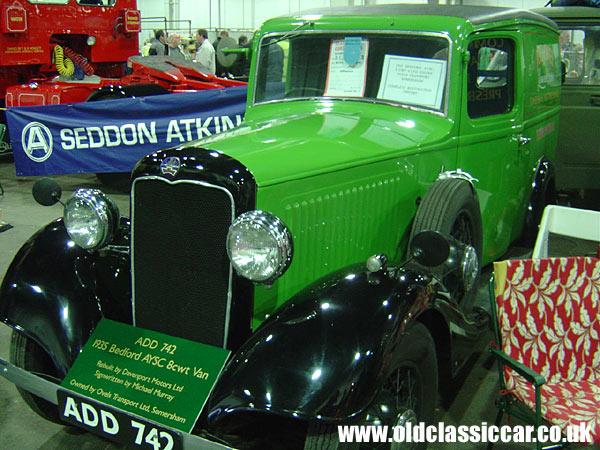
(595, 100)
(522, 140)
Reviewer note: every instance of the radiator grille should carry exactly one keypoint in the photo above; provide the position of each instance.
(181, 272)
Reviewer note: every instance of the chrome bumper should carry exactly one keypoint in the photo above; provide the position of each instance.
(48, 391)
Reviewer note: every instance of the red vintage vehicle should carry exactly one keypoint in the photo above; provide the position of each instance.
(65, 51)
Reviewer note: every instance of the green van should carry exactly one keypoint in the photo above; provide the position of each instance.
(307, 240)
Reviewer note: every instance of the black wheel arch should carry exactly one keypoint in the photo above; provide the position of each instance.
(326, 351)
(543, 193)
(440, 332)
(408, 394)
(55, 293)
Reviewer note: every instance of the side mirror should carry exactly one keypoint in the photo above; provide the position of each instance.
(449, 259)
(563, 71)
(429, 248)
(46, 192)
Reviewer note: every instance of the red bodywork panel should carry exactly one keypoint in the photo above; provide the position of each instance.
(14, 19)
(175, 77)
(49, 93)
(30, 31)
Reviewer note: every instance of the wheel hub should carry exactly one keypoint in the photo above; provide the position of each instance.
(404, 417)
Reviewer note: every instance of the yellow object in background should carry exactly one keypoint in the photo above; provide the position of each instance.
(63, 64)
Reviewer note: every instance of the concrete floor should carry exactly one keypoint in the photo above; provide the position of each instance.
(472, 403)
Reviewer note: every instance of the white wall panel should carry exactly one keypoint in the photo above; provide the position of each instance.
(265, 9)
(310, 4)
(249, 14)
(152, 8)
(198, 11)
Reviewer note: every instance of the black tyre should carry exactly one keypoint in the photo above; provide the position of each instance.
(450, 206)
(28, 355)
(407, 396)
(323, 436)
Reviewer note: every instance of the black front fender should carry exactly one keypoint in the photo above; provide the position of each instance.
(56, 292)
(326, 351)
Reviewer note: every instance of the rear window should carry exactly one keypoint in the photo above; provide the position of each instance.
(580, 53)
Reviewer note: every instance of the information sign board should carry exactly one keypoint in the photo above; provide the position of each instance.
(162, 378)
(414, 81)
(347, 70)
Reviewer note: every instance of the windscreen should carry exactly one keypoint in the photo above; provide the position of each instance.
(408, 69)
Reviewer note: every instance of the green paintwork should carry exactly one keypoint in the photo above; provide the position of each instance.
(346, 176)
(282, 150)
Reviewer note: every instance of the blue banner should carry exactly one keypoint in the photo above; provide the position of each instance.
(112, 135)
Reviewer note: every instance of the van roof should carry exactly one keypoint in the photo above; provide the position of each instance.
(476, 15)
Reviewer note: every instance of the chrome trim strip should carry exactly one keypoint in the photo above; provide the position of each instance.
(48, 391)
(31, 383)
(443, 113)
(118, 248)
(459, 174)
(201, 183)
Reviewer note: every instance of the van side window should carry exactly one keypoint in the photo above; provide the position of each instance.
(580, 54)
(490, 85)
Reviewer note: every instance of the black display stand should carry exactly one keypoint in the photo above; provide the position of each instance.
(3, 226)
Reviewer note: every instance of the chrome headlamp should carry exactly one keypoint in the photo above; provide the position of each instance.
(449, 259)
(259, 246)
(91, 218)
(469, 267)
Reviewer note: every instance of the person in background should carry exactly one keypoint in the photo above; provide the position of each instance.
(241, 66)
(221, 35)
(173, 50)
(158, 44)
(565, 41)
(572, 55)
(205, 53)
(220, 70)
(243, 41)
(145, 50)
(275, 63)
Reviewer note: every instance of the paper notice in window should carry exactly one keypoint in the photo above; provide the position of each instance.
(347, 71)
(413, 81)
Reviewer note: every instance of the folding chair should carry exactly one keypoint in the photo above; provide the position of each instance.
(546, 315)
